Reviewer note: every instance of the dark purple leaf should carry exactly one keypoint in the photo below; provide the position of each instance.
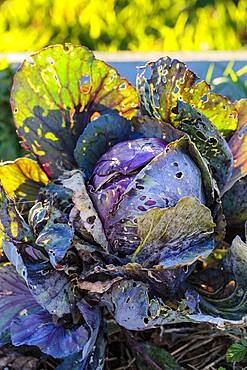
(15, 299)
(98, 137)
(56, 338)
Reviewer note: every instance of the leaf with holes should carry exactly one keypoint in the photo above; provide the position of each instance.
(175, 236)
(208, 140)
(56, 93)
(171, 81)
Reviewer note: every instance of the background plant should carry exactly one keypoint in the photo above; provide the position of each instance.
(111, 25)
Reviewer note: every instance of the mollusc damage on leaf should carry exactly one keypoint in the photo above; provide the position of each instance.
(122, 210)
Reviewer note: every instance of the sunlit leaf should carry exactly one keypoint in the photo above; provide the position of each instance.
(56, 93)
(170, 81)
(12, 226)
(22, 180)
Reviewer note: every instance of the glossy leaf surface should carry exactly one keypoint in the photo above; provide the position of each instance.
(98, 137)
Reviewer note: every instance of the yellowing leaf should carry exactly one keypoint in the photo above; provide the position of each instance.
(22, 179)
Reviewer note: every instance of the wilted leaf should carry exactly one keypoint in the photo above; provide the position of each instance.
(89, 219)
(56, 93)
(175, 236)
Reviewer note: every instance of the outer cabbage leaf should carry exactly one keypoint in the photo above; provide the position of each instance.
(234, 204)
(234, 198)
(56, 239)
(238, 144)
(98, 137)
(135, 307)
(175, 236)
(56, 93)
(55, 339)
(15, 300)
(171, 81)
(53, 230)
(14, 256)
(94, 361)
(50, 288)
(208, 140)
(30, 324)
(12, 226)
(222, 291)
(22, 180)
(144, 126)
(132, 308)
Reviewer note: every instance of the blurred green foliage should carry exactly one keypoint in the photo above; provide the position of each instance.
(232, 82)
(124, 24)
(9, 148)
